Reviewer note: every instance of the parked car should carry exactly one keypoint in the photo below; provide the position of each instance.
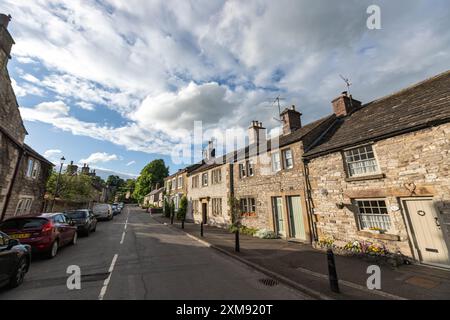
(45, 233)
(103, 211)
(15, 261)
(121, 205)
(116, 209)
(84, 220)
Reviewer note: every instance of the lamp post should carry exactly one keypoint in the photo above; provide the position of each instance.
(57, 181)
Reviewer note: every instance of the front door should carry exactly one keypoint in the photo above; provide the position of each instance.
(205, 212)
(277, 206)
(427, 230)
(296, 225)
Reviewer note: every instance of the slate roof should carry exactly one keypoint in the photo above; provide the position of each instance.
(35, 154)
(243, 153)
(419, 106)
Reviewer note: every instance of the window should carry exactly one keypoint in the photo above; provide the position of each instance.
(195, 206)
(250, 168)
(287, 158)
(205, 179)
(242, 172)
(23, 206)
(32, 168)
(195, 181)
(248, 205)
(361, 161)
(216, 176)
(276, 163)
(373, 214)
(3, 240)
(169, 185)
(174, 183)
(216, 206)
(180, 182)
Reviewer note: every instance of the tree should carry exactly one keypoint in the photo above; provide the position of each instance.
(182, 209)
(71, 188)
(152, 174)
(115, 181)
(166, 208)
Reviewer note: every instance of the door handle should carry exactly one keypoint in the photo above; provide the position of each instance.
(436, 219)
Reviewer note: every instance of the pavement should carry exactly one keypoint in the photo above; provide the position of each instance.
(304, 268)
(135, 257)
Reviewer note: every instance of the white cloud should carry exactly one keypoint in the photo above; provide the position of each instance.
(30, 78)
(53, 154)
(99, 157)
(130, 163)
(170, 62)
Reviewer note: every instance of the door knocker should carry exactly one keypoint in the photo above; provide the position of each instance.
(421, 213)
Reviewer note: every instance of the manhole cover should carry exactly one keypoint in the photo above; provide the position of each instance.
(268, 282)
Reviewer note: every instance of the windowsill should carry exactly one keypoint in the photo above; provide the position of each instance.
(380, 236)
(369, 177)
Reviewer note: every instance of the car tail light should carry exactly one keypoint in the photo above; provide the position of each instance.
(46, 228)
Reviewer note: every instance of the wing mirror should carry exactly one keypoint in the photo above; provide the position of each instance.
(12, 243)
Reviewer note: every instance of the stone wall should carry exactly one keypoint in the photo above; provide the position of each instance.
(265, 184)
(27, 187)
(9, 154)
(420, 159)
(207, 193)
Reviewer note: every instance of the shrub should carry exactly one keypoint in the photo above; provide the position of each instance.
(181, 214)
(266, 234)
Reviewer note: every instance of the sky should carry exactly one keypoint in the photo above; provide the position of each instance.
(117, 84)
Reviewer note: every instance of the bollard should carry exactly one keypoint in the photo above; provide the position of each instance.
(182, 224)
(237, 246)
(201, 229)
(334, 282)
(171, 219)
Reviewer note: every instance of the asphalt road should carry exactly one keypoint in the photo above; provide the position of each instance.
(135, 257)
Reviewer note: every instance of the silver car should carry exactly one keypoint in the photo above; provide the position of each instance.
(103, 211)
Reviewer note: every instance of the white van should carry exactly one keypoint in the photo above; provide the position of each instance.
(103, 211)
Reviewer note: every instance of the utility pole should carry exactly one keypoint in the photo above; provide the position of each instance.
(57, 181)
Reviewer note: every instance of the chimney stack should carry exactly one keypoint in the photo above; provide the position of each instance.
(4, 20)
(256, 133)
(344, 105)
(210, 152)
(291, 120)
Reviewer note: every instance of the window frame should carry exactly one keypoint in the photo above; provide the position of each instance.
(359, 215)
(250, 167)
(23, 206)
(283, 152)
(279, 161)
(180, 182)
(216, 176)
(247, 205)
(347, 163)
(205, 178)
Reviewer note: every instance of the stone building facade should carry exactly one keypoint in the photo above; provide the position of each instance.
(382, 174)
(209, 192)
(23, 172)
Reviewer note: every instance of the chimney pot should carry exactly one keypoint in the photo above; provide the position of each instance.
(344, 105)
(291, 120)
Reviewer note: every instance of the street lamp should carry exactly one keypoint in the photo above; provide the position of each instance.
(57, 181)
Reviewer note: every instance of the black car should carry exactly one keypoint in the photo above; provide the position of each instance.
(83, 219)
(15, 261)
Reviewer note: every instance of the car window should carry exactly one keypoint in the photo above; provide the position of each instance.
(80, 214)
(2, 240)
(23, 223)
(59, 218)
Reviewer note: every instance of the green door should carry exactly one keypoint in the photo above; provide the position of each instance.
(277, 206)
(296, 224)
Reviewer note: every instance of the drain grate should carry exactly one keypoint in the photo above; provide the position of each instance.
(269, 282)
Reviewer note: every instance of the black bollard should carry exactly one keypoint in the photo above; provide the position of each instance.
(334, 282)
(237, 246)
(182, 224)
(171, 219)
(201, 229)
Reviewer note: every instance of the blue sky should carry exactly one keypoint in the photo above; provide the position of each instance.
(120, 83)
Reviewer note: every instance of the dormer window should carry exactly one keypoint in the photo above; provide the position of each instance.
(361, 161)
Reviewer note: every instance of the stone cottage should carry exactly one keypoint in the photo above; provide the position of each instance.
(269, 177)
(381, 174)
(23, 171)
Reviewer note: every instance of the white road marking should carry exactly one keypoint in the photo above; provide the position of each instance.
(106, 282)
(123, 237)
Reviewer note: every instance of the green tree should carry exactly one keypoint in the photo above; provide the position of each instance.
(182, 209)
(152, 174)
(115, 181)
(71, 188)
(166, 208)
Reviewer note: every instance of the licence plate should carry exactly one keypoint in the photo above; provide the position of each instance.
(20, 236)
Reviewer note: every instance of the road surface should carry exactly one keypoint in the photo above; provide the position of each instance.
(136, 257)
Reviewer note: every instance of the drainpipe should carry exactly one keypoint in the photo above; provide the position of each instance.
(309, 202)
(11, 185)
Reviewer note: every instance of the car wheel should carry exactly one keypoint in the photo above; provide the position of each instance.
(53, 250)
(95, 228)
(19, 275)
(74, 239)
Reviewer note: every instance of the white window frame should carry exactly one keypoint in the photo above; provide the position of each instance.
(216, 204)
(346, 155)
(180, 182)
(248, 205)
(250, 168)
(379, 220)
(23, 206)
(285, 159)
(216, 176)
(276, 164)
(174, 183)
(205, 179)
